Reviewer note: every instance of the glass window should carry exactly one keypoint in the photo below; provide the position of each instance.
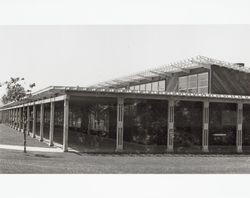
(148, 87)
(203, 82)
(162, 85)
(192, 83)
(155, 86)
(203, 90)
(137, 87)
(132, 88)
(183, 83)
(143, 87)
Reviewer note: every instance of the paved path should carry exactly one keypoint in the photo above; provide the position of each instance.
(42, 161)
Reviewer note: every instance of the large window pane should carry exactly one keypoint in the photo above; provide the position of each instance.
(203, 83)
(143, 87)
(162, 85)
(183, 83)
(137, 87)
(192, 83)
(155, 86)
(148, 87)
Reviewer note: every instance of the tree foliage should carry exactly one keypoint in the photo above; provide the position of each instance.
(15, 89)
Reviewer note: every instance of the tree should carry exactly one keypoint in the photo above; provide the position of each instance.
(15, 90)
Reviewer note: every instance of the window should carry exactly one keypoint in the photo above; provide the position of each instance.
(203, 83)
(148, 87)
(137, 87)
(142, 87)
(132, 88)
(192, 83)
(155, 86)
(162, 85)
(183, 84)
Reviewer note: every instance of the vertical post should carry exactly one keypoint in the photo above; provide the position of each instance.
(24, 132)
(17, 121)
(28, 120)
(23, 119)
(34, 121)
(52, 123)
(205, 126)
(11, 118)
(41, 121)
(170, 135)
(120, 122)
(20, 120)
(14, 112)
(66, 124)
(239, 127)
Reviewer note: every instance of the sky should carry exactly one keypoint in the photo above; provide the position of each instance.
(84, 55)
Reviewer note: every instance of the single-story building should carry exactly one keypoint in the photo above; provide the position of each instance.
(193, 106)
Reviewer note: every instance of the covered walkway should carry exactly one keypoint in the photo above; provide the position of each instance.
(120, 120)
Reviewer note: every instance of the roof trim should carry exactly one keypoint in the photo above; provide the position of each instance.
(62, 90)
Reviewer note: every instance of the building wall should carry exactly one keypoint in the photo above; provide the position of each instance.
(228, 81)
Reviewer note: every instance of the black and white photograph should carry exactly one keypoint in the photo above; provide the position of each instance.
(131, 100)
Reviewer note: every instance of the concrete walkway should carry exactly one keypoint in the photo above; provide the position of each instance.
(13, 160)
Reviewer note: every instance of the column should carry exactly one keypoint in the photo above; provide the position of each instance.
(120, 120)
(239, 127)
(16, 118)
(11, 117)
(41, 121)
(170, 135)
(66, 124)
(52, 123)
(20, 119)
(28, 120)
(34, 121)
(23, 119)
(205, 126)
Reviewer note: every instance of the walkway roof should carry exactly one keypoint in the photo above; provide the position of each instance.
(58, 91)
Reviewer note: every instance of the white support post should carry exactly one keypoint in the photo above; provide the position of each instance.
(205, 126)
(28, 120)
(15, 114)
(52, 123)
(23, 119)
(41, 121)
(34, 121)
(66, 124)
(120, 122)
(16, 119)
(11, 117)
(239, 127)
(20, 119)
(170, 133)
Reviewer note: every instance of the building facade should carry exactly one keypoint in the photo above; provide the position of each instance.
(199, 105)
